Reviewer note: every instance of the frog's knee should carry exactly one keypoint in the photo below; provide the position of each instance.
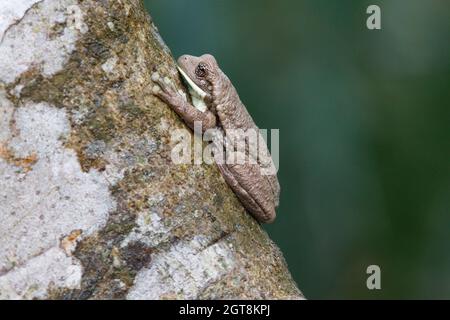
(268, 215)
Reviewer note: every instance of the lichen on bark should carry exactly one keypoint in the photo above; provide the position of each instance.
(93, 207)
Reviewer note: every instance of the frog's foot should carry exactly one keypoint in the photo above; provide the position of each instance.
(164, 88)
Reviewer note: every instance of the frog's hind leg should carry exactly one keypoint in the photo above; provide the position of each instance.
(251, 188)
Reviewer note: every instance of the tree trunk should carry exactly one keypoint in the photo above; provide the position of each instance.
(91, 205)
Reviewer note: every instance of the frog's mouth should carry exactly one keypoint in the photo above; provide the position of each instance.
(197, 94)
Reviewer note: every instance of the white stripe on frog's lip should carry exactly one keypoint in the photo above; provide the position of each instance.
(202, 94)
(197, 94)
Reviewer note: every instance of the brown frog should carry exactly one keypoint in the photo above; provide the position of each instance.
(215, 103)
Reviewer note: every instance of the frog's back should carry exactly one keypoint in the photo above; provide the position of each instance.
(256, 185)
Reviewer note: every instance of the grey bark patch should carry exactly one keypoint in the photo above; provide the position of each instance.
(27, 44)
(52, 268)
(183, 271)
(49, 200)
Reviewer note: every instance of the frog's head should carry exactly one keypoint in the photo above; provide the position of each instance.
(200, 74)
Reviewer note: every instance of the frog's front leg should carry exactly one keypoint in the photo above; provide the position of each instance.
(177, 100)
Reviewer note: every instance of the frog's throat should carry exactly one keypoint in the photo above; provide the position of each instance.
(197, 94)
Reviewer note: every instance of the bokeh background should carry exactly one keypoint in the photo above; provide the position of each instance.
(364, 130)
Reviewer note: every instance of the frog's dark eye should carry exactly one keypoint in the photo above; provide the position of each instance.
(201, 71)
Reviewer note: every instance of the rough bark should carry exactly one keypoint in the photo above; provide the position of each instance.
(91, 205)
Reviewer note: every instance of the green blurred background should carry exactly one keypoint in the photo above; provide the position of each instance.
(364, 130)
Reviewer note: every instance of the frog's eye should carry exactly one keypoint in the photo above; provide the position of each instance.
(201, 71)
